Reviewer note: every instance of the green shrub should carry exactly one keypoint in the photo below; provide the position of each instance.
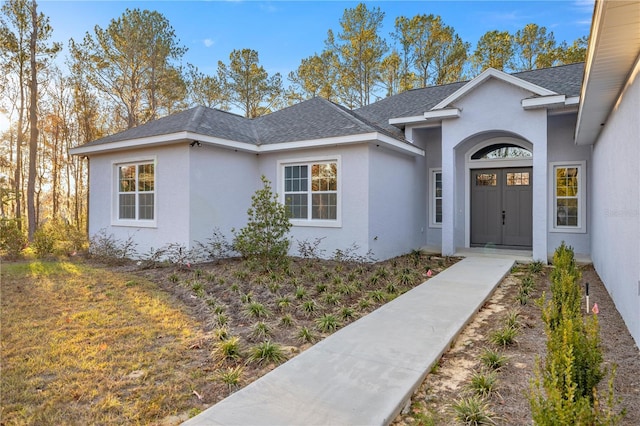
(493, 360)
(12, 239)
(483, 384)
(564, 390)
(267, 352)
(228, 349)
(264, 238)
(56, 236)
(473, 410)
(327, 323)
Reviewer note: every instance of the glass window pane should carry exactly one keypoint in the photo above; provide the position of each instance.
(127, 206)
(145, 208)
(145, 177)
(127, 178)
(486, 179)
(296, 204)
(324, 206)
(324, 177)
(438, 218)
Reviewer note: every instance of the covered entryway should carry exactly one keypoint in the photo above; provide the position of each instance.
(502, 207)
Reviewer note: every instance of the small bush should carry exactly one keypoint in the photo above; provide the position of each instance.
(474, 411)
(310, 249)
(228, 349)
(106, 248)
(492, 359)
(327, 323)
(305, 335)
(483, 384)
(257, 310)
(286, 320)
(230, 376)
(267, 352)
(505, 336)
(12, 239)
(261, 330)
(264, 238)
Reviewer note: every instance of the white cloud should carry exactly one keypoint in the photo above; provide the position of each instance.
(208, 42)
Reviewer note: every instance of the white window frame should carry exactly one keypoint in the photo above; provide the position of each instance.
(581, 227)
(326, 223)
(115, 199)
(433, 198)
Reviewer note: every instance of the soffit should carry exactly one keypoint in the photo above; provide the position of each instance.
(614, 49)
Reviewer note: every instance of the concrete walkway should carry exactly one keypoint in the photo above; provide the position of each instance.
(365, 373)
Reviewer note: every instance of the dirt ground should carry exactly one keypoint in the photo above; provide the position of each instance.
(431, 404)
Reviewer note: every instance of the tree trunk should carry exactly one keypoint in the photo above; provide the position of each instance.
(33, 124)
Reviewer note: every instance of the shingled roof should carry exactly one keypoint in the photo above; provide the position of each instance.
(319, 118)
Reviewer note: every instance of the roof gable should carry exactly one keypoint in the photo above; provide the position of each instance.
(486, 76)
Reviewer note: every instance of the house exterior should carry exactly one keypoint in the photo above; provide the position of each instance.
(503, 160)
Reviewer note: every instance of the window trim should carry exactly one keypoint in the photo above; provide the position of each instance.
(308, 161)
(115, 199)
(581, 228)
(432, 198)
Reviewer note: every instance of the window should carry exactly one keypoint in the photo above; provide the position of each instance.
(568, 197)
(136, 191)
(311, 191)
(436, 198)
(518, 179)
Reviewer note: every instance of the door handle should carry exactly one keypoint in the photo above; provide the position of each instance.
(503, 216)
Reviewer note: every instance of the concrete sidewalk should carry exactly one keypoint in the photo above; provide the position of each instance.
(365, 373)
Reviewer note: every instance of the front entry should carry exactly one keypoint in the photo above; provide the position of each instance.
(502, 207)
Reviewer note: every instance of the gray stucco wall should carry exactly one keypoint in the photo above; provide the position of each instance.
(222, 183)
(561, 148)
(397, 200)
(615, 214)
(354, 181)
(171, 196)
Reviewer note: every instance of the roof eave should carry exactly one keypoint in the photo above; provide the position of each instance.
(613, 61)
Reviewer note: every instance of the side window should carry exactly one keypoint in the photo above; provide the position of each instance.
(135, 192)
(568, 197)
(311, 191)
(435, 212)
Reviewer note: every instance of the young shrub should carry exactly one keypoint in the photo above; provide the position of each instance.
(473, 411)
(309, 307)
(327, 323)
(257, 310)
(267, 352)
(230, 376)
(228, 349)
(305, 335)
(483, 384)
(493, 360)
(286, 320)
(503, 337)
(261, 330)
(264, 238)
(12, 239)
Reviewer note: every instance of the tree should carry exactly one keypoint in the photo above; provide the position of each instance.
(130, 62)
(248, 85)
(26, 51)
(205, 89)
(264, 238)
(494, 50)
(391, 73)
(432, 52)
(576, 52)
(315, 76)
(534, 48)
(358, 50)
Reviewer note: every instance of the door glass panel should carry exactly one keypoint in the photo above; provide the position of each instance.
(486, 179)
(517, 178)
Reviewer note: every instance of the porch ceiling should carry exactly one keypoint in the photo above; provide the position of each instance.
(614, 49)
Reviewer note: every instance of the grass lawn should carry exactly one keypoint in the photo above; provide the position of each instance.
(97, 345)
(84, 345)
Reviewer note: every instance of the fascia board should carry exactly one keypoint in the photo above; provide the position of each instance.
(246, 147)
(442, 114)
(407, 120)
(486, 75)
(552, 101)
(131, 143)
(343, 140)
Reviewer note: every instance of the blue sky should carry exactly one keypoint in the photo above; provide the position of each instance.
(284, 32)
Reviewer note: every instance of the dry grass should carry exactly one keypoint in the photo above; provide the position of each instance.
(81, 345)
